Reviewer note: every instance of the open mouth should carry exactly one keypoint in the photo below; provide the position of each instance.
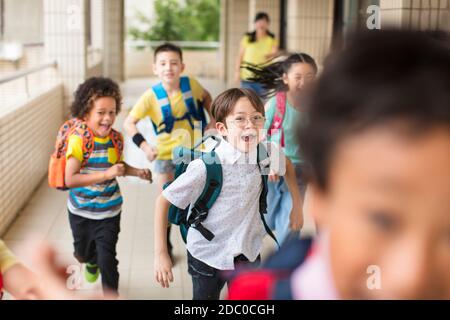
(105, 127)
(248, 137)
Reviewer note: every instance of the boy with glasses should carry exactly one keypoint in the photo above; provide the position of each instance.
(235, 217)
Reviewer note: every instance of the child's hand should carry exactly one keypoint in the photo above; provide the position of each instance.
(296, 217)
(150, 151)
(117, 170)
(145, 174)
(163, 269)
(273, 177)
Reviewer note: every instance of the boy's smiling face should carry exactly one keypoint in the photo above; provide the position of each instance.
(101, 117)
(168, 67)
(388, 205)
(243, 126)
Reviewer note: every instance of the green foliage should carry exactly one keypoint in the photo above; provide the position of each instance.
(190, 20)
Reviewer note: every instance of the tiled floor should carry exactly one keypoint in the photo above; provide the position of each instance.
(45, 217)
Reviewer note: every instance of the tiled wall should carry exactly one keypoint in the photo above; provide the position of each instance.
(23, 20)
(416, 14)
(114, 39)
(272, 8)
(237, 16)
(65, 41)
(309, 27)
(27, 137)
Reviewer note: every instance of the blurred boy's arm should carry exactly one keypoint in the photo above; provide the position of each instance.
(17, 279)
(20, 282)
(163, 263)
(296, 216)
(144, 174)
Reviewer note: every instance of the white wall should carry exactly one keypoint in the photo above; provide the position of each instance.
(23, 20)
(27, 137)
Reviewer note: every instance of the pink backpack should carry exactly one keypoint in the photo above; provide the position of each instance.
(277, 121)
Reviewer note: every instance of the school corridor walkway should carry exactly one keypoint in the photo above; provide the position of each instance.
(45, 218)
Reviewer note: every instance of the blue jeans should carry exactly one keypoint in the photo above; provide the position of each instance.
(279, 205)
(255, 86)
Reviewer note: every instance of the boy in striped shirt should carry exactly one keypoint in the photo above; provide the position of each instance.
(95, 200)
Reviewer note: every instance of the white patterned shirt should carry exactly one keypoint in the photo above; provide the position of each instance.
(234, 218)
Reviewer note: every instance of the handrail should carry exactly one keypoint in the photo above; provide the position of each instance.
(26, 72)
(33, 44)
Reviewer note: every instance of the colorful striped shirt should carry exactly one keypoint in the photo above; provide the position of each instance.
(101, 200)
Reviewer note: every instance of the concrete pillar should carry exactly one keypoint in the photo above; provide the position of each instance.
(223, 39)
(65, 41)
(237, 13)
(309, 27)
(416, 14)
(113, 42)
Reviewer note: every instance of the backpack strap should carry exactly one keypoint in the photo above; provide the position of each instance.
(264, 164)
(117, 140)
(82, 130)
(166, 110)
(61, 140)
(194, 111)
(182, 157)
(168, 119)
(211, 191)
(277, 121)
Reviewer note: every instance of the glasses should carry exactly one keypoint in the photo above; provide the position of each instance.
(241, 121)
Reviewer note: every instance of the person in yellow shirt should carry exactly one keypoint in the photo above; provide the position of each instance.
(177, 107)
(256, 48)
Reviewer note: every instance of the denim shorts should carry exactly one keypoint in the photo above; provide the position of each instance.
(164, 166)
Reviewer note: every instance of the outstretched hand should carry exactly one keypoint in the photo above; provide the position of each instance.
(145, 174)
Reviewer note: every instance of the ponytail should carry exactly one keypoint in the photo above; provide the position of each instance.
(252, 35)
(270, 75)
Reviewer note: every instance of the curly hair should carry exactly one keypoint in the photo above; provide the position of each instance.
(92, 89)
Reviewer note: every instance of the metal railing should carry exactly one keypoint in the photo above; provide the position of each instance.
(25, 73)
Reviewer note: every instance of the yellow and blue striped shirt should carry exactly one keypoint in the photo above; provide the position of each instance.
(101, 200)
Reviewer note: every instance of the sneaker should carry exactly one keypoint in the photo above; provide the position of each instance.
(91, 272)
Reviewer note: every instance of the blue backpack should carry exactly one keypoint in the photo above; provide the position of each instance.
(199, 212)
(195, 111)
